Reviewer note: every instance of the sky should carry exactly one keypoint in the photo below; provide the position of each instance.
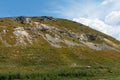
(102, 15)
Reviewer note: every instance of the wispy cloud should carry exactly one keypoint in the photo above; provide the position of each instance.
(113, 18)
(100, 26)
(106, 2)
(103, 15)
(79, 8)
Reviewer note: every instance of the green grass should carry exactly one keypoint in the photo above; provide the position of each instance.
(41, 61)
(65, 73)
(37, 62)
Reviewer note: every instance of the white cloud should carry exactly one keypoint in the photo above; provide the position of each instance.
(100, 25)
(106, 2)
(79, 8)
(113, 18)
(102, 15)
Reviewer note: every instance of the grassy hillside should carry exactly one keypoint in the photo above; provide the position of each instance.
(75, 63)
(41, 61)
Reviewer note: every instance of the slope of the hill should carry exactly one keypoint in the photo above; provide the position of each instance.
(30, 44)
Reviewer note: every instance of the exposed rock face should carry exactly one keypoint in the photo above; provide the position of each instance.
(71, 43)
(53, 41)
(110, 42)
(53, 35)
(22, 36)
(56, 40)
(98, 46)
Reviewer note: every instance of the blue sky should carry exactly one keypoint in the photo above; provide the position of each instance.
(102, 15)
(36, 7)
(26, 7)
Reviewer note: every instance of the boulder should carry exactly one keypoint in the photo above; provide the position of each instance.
(45, 18)
(22, 19)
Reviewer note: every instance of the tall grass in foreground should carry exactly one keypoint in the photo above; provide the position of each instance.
(73, 73)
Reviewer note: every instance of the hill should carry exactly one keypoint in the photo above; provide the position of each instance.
(47, 48)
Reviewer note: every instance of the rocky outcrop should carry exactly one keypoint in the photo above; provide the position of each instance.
(84, 38)
(98, 46)
(53, 35)
(22, 36)
(88, 37)
(71, 43)
(91, 37)
(22, 19)
(54, 41)
(111, 43)
(45, 18)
